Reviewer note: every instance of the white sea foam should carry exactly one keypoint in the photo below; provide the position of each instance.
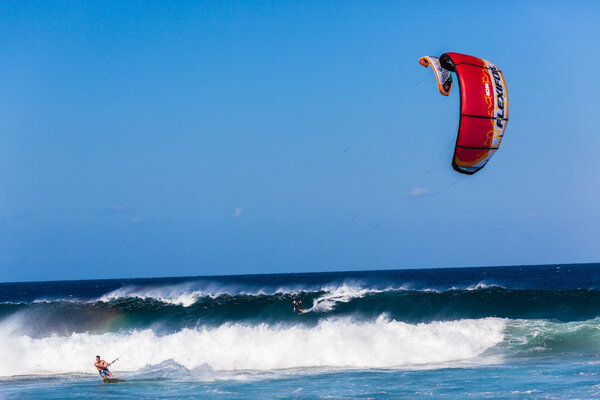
(167, 294)
(334, 342)
(483, 285)
(184, 294)
(335, 294)
(477, 286)
(187, 293)
(340, 294)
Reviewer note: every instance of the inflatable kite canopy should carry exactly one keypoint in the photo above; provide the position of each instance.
(483, 107)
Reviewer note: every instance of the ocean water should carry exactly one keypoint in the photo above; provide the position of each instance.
(504, 332)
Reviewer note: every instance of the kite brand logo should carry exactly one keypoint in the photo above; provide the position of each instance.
(499, 96)
(487, 89)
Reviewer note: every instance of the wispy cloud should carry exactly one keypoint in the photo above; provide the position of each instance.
(419, 192)
(237, 213)
(137, 220)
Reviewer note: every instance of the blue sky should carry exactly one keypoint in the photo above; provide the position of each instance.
(158, 139)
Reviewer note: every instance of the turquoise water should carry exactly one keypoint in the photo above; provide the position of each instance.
(527, 379)
(510, 332)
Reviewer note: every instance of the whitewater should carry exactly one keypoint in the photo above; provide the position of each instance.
(230, 347)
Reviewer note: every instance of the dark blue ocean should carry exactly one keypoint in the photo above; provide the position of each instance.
(503, 332)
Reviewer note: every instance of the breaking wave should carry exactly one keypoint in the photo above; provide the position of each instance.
(334, 342)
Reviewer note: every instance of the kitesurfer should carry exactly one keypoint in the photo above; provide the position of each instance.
(298, 305)
(102, 367)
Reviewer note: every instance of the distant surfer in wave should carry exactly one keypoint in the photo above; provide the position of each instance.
(298, 306)
(102, 367)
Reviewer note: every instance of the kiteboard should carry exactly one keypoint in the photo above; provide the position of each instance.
(112, 380)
